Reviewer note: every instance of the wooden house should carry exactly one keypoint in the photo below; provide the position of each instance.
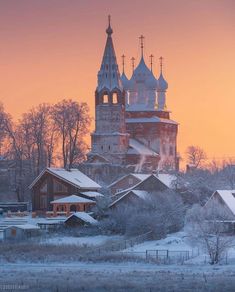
(56, 183)
(226, 200)
(152, 183)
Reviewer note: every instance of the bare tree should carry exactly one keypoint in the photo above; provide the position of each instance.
(195, 156)
(206, 228)
(71, 124)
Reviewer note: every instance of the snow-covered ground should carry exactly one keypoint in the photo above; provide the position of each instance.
(117, 277)
(173, 242)
(81, 241)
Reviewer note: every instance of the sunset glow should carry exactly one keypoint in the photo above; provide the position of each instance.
(52, 50)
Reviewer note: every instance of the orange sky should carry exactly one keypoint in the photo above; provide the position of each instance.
(51, 49)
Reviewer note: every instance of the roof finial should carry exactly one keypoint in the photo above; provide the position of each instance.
(161, 64)
(142, 45)
(133, 63)
(151, 62)
(123, 63)
(109, 30)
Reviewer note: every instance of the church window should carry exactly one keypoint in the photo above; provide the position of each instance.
(164, 149)
(102, 147)
(107, 67)
(115, 98)
(113, 66)
(109, 147)
(113, 75)
(106, 75)
(171, 150)
(105, 98)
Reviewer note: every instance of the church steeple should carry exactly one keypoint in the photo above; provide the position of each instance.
(108, 75)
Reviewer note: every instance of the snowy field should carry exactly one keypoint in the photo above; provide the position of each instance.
(117, 277)
(97, 240)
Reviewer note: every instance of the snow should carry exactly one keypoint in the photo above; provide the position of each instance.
(141, 176)
(167, 179)
(173, 242)
(141, 148)
(72, 176)
(87, 240)
(72, 199)
(141, 194)
(228, 197)
(92, 194)
(24, 226)
(151, 120)
(83, 216)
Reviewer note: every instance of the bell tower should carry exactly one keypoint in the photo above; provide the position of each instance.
(110, 139)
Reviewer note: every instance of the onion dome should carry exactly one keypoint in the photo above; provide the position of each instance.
(125, 81)
(162, 84)
(152, 82)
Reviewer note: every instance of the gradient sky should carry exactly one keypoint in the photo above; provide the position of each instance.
(51, 49)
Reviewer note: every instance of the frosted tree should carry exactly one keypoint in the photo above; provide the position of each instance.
(206, 228)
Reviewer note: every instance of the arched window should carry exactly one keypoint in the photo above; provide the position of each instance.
(115, 98)
(109, 147)
(105, 98)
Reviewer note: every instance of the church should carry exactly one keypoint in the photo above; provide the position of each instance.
(133, 128)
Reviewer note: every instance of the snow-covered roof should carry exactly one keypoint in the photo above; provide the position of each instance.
(141, 176)
(139, 193)
(84, 217)
(92, 194)
(151, 120)
(72, 199)
(228, 196)
(140, 148)
(73, 176)
(167, 179)
(24, 226)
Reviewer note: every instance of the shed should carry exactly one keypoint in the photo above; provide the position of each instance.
(20, 232)
(80, 218)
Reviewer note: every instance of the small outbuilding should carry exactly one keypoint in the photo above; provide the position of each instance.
(71, 204)
(21, 232)
(80, 219)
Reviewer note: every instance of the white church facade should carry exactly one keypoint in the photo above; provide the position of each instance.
(133, 128)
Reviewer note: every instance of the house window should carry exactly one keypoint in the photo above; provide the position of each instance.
(43, 188)
(59, 187)
(130, 181)
(115, 98)
(43, 202)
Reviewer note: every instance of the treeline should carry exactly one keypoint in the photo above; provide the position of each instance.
(45, 136)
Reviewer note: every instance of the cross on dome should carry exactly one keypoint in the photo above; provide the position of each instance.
(133, 63)
(151, 62)
(123, 63)
(109, 30)
(142, 45)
